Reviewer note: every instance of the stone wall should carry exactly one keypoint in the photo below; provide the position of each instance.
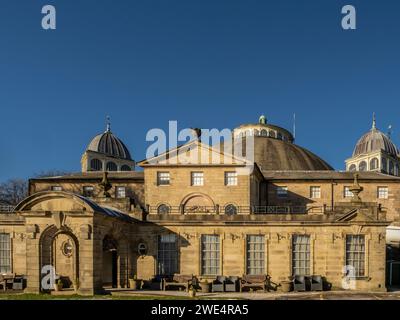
(327, 250)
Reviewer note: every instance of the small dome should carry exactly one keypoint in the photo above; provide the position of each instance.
(375, 140)
(107, 143)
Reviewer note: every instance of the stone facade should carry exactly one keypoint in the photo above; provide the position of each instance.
(100, 231)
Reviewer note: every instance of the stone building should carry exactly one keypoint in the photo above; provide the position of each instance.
(292, 214)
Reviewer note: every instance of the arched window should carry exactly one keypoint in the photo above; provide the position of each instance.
(384, 165)
(374, 164)
(125, 168)
(231, 210)
(163, 209)
(279, 136)
(391, 167)
(96, 165)
(256, 132)
(264, 133)
(353, 168)
(396, 170)
(362, 166)
(272, 134)
(111, 166)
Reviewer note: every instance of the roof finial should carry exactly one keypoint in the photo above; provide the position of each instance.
(389, 134)
(373, 121)
(108, 121)
(262, 120)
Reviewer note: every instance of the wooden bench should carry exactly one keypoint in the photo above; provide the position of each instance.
(252, 282)
(178, 280)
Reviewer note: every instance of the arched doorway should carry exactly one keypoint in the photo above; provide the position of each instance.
(59, 248)
(110, 262)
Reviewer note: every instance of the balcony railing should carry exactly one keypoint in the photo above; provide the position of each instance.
(234, 210)
(6, 209)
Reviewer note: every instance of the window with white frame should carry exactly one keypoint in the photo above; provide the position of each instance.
(301, 260)
(231, 179)
(315, 192)
(210, 251)
(347, 193)
(255, 255)
(163, 178)
(355, 254)
(282, 192)
(197, 179)
(120, 192)
(167, 255)
(383, 192)
(5, 253)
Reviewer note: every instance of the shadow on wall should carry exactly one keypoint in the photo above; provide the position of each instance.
(290, 199)
(154, 240)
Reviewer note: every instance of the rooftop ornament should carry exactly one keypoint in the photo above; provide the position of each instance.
(105, 185)
(356, 189)
(262, 120)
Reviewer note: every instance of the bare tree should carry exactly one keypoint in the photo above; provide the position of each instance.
(13, 191)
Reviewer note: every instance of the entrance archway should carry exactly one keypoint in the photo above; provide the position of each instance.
(110, 262)
(59, 248)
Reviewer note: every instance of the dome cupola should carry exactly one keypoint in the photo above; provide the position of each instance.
(375, 140)
(106, 152)
(107, 143)
(275, 150)
(375, 151)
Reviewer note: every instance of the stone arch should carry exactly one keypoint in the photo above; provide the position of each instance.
(115, 261)
(50, 253)
(197, 203)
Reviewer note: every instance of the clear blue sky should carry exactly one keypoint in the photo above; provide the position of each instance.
(204, 63)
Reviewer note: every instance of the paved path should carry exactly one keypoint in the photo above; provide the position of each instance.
(330, 295)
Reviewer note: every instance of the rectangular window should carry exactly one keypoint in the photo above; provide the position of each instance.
(255, 255)
(120, 192)
(167, 255)
(231, 179)
(282, 192)
(355, 255)
(197, 179)
(163, 179)
(347, 192)
(315, 192)
(56, 188)
(301, 255)
(383, 193)
(88, 191)
(5, 253)
(210, 255)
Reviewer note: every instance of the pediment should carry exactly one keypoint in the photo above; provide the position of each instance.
(53, 202)
(195, 153)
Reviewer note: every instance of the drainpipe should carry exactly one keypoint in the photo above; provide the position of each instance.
(333, 194)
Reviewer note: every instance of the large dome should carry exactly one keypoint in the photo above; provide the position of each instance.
(274, 149)
(276, 155)
(375, 140)
(107, 143)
